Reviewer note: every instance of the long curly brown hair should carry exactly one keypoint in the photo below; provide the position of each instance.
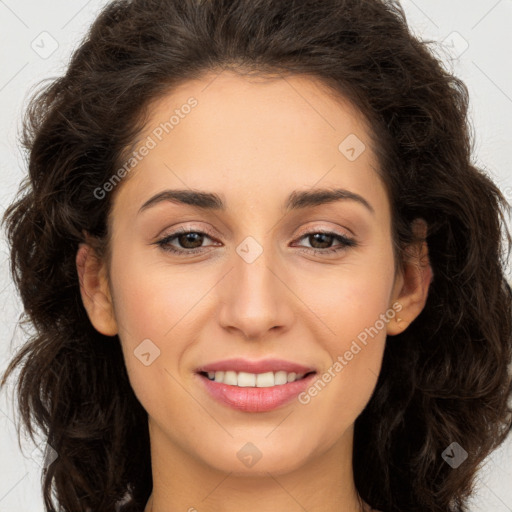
(445, 379)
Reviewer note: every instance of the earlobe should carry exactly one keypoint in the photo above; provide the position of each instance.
(412, 285)
(95, 291)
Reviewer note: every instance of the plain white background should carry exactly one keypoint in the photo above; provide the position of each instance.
(36, 40)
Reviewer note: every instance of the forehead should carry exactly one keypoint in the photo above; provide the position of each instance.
(253, 138)
(279, 111)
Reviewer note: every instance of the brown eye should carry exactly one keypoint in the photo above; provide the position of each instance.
(190, 240)
(321, 242)
(184, 242)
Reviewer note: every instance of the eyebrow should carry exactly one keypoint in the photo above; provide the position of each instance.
(298, 199)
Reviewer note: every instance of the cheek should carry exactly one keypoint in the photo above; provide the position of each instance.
(349, 299)
(359, 304)
(354, 321)
(152, 300)
(154, 305)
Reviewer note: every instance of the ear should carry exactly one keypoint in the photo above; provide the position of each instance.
(411, 287)
(95, 290)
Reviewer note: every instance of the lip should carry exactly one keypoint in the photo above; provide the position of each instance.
(263, 366)
(254, 399)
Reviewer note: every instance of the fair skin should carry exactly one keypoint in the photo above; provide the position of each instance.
(252, 142)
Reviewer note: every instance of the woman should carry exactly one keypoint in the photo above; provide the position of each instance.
(263, 271)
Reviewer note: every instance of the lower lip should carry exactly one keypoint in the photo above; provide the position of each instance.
(253, 399)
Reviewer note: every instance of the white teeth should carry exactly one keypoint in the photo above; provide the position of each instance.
(280, 378)
(246, 380)
(229, 378)
(259, 380)
(265, 380)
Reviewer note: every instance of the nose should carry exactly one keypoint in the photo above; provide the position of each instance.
(254, 297)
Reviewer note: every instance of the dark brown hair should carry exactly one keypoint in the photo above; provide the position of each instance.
(443, 380)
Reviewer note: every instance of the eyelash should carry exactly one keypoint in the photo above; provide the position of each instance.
(345, 242)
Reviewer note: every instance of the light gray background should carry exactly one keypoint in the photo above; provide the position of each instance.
(36, 40)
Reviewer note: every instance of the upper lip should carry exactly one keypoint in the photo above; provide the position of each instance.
(262, 366)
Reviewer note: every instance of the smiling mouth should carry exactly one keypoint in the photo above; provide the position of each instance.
(255, 392)
(255, 380)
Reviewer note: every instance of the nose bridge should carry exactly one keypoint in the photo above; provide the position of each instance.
(254, 301)
(255, 282)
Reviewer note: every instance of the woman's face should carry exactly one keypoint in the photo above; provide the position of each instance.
(262, 282)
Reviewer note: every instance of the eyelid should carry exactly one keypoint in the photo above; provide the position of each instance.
(325, 229)
(171, 231)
